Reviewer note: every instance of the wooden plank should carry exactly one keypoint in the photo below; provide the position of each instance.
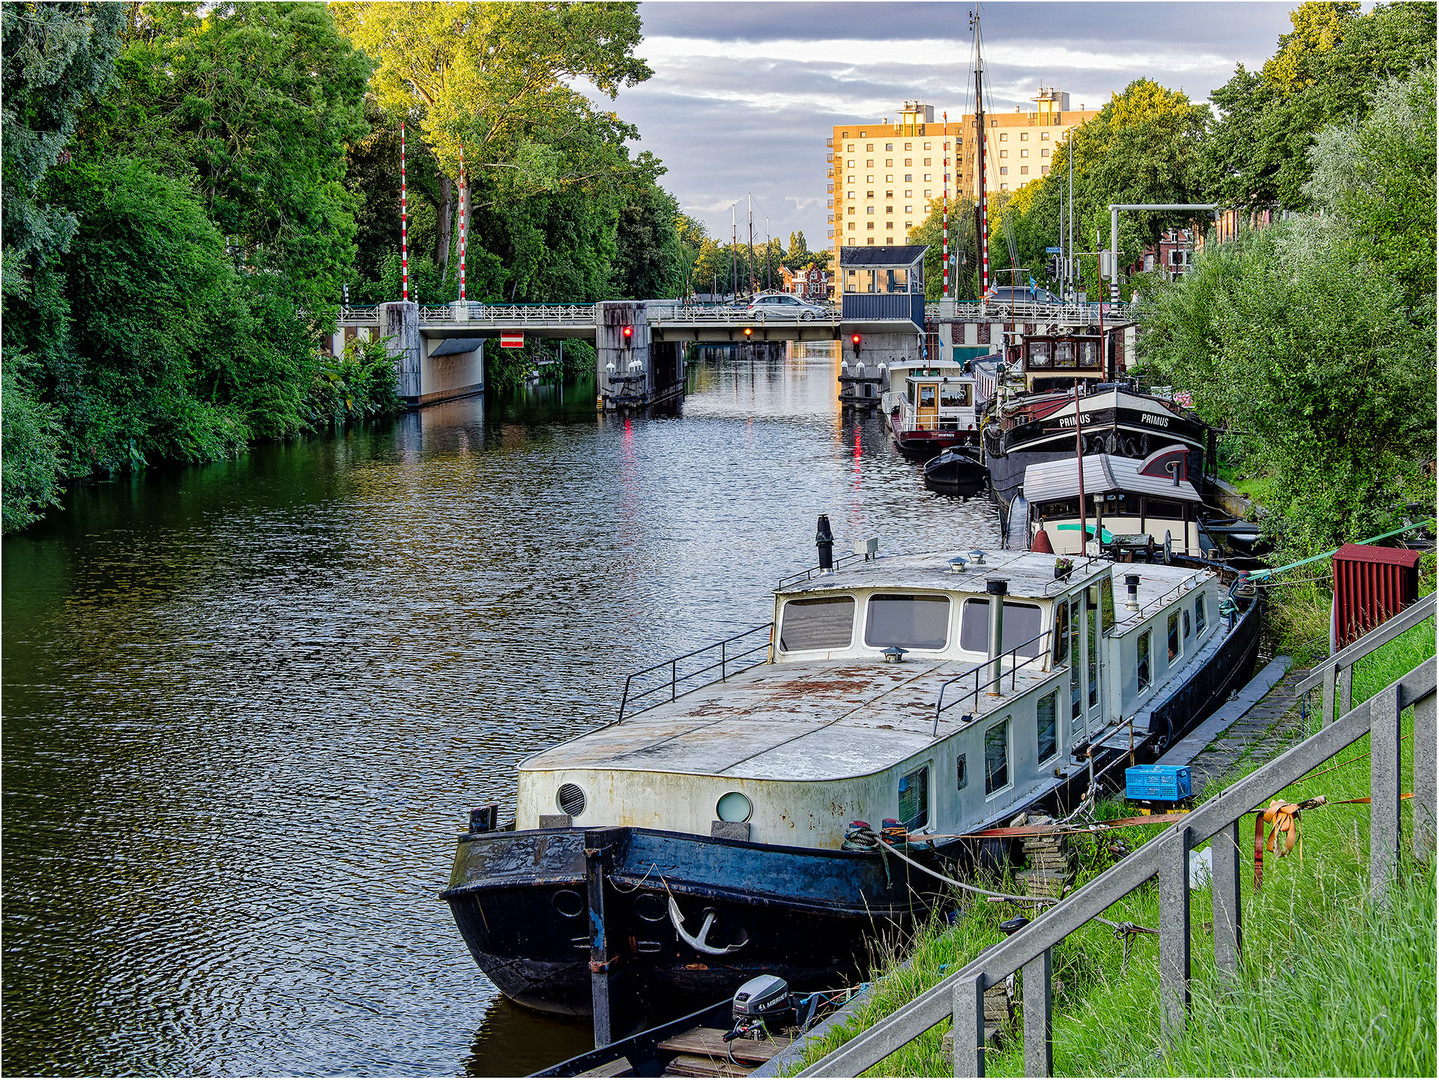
(619, 1067)
(697, 1065)
(710, 1041)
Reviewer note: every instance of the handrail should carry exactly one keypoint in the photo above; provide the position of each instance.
(960, 996)
(1013, 655)
(806, 575)
(1382, 634)
(726, 659)
(1143, 612)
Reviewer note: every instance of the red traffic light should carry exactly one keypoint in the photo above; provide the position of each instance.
(855, 339)
(628, 331)
(855, 342)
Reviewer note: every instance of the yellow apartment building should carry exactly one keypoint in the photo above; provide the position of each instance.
(882, 178)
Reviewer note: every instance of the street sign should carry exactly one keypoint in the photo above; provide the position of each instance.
(512, 341)
(1054, 251)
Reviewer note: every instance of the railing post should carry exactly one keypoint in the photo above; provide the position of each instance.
(1174, 934)
(1383, 791)
(674, 668)
(1424, 771)
(1038, 1003)
(722, 661)
(1346, 688)
(1327, 716)
(967, 1025)
(1224, 881)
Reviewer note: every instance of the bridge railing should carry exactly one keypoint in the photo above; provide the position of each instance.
(511, 314)
(960, 997)
(1004, 309)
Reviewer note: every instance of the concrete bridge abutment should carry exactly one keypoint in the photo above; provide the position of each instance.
(430, 369)
(633, 370)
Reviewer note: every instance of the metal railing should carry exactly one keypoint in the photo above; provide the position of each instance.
(730, 662)
(995, 680)
(960, 997)
(364, 315)
(1003, 309)
(1336, 674)
(806, 575)
(513, 314)
(1145, 610)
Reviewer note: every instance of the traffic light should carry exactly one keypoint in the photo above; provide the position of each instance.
(748, 330)
(854, 340)
(627, 333)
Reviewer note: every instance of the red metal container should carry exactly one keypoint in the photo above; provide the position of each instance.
(1371, 585)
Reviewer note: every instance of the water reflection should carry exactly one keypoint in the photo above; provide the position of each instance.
(248, 706)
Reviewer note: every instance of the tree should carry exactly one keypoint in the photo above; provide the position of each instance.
(649, 260)
(963, 249)
(56, 59)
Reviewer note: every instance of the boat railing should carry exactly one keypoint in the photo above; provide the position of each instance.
(1012, 656)
(733, 657)
(806, 575)
(1173, 594)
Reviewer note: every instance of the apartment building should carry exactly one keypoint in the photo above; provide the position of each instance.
(882, 178)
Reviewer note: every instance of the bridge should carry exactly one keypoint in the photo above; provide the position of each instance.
(439, 351)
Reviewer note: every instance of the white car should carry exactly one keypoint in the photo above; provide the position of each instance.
(784, 306)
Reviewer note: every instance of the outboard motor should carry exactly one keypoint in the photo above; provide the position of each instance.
(763, 1001)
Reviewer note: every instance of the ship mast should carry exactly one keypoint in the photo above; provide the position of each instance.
(979, 155)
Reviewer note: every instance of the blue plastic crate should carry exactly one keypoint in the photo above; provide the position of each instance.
(1167, 783)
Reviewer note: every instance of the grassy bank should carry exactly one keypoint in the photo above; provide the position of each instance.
(1329, 985)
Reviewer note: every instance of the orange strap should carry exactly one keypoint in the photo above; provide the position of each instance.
(1285, 818)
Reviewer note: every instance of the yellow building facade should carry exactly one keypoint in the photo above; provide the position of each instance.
(883, 178)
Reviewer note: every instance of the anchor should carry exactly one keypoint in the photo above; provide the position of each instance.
(698, 943)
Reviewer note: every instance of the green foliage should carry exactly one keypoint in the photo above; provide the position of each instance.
(31, 456)
(356, 386)
(963, 241)
(649, 260)
(1326, 70)
(56, 58)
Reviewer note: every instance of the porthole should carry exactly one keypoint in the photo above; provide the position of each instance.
(734, 806)
(571, 800)
(569, 903)
(650, 907)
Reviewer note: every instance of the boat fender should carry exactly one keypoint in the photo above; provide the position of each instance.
(698, 943)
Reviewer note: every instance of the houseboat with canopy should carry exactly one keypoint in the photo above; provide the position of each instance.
(732, 821)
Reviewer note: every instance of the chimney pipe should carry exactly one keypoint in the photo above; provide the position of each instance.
(996, 587)
(824, 541)
(1131, 585)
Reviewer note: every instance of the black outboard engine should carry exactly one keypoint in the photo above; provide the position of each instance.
(763, 1001)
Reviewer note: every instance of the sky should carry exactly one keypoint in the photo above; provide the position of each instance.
(744, 95)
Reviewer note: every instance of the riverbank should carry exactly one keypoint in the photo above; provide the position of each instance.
(1328, 985)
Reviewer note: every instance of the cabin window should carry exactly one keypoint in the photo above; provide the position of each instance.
(1106, 604)
(1173, 635)
(821, 622)
(1096, 635)
(996, 757)
(926, 396)
(1046, 726)
(954, 395)
(1142, 668)
(1061, 633)
(1021, 624)
(911, 622)
(1163, 508)
(1064, 354)
(1186, 622)
(914, 798)
(961, 775)
(1076, 706)
(1199, 613)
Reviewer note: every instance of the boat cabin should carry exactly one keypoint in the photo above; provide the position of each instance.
(894, 690)
(1128, 504)
(942, 401)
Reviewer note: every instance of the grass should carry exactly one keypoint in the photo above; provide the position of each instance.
(1329, 984)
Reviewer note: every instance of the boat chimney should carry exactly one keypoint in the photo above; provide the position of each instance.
(824, 541)
(1131, 585)
(996, 588)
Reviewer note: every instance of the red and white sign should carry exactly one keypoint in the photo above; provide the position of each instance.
(512, 341)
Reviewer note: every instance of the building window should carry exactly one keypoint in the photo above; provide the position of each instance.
(926, 161)
(851, 226)
(1044, 136)
(889, 178)
(1024, 170)
(1004, 170)
(1024, 153)
(910, 210)
(1024, 136)
(909, 161)
(869, 194)
(927, 177)
(889, 163)
(869, 209)
(1003, 187)
(1004, 153)
(889, 209)
(1044, 151)
(869, 147)
(869, 225)
(909, 193)
(928, 192)
(1142, 669)
(849, 179)
(850, 148)
(909, 178)
(1003, 135)
(850, 210)
(1044, 170)
(871, 239)
(889, 225)
(889, 146)
(926, 146)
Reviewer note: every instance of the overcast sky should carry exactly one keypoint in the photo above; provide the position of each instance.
(744, 95)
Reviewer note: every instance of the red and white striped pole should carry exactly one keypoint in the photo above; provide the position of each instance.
(944, 245)
(462, 223)
(404, 222)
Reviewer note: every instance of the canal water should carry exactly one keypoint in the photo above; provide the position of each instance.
(247, 707)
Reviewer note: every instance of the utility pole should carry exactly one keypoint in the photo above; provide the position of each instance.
(751, 245)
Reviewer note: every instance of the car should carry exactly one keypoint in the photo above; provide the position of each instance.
(1020, 294)
(784, 306)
